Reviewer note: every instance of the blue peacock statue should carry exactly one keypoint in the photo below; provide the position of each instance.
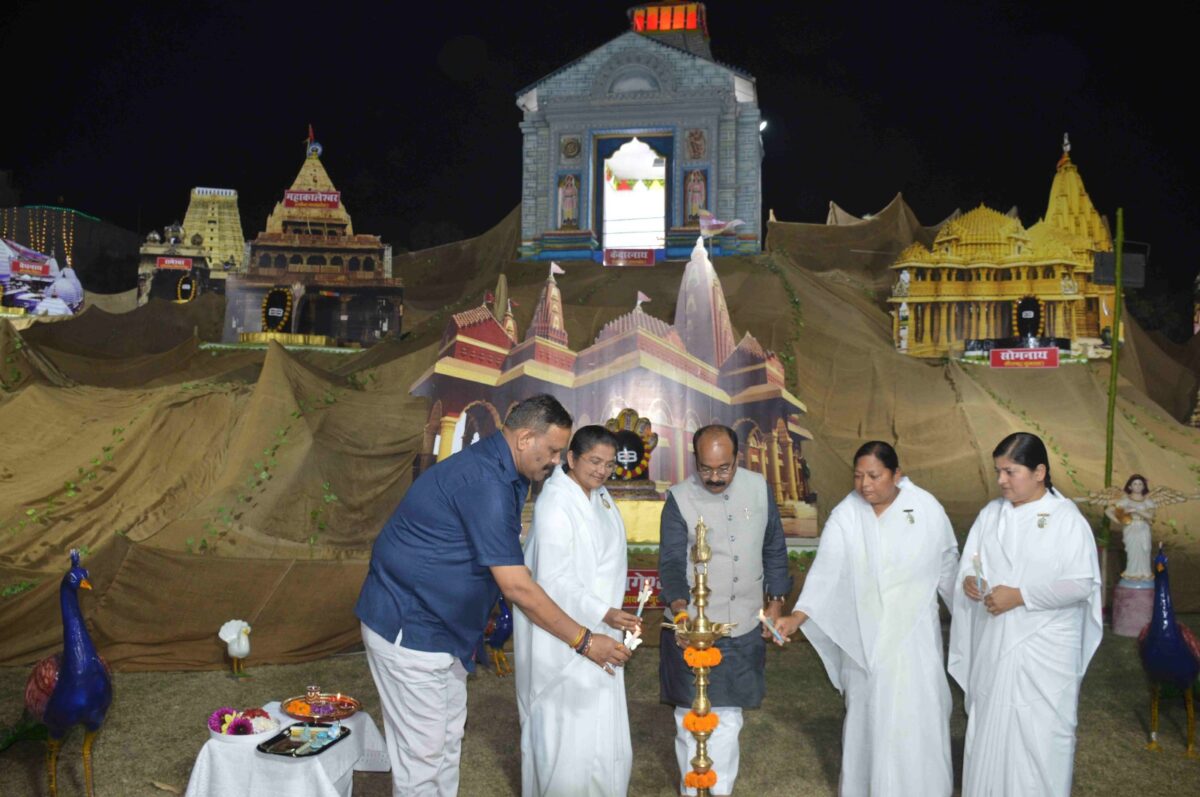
(1170, 654)
(499, 629)
(71, 687)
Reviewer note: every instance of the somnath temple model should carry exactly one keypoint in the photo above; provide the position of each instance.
(987, 280)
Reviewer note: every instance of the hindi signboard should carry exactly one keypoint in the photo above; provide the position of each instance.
(1025, 358)
(629, 257)
(312, 199)
(175, 263)
(31, 268)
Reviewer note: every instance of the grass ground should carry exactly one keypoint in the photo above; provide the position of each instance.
(791, 747)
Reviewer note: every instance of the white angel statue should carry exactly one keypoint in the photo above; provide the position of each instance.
(1133, 507)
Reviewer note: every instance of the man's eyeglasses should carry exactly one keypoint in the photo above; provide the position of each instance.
(724, 470)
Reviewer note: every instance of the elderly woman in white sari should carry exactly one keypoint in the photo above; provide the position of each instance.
(1026, 623)
(574, 724)
(869, 607)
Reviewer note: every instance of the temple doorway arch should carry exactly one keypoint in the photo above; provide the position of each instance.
(632, 191)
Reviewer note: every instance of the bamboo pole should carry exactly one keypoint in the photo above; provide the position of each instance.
(1114, 363)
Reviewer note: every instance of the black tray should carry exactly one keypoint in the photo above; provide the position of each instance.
(283, 744)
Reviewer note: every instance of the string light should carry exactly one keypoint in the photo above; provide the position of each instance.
(68, 237)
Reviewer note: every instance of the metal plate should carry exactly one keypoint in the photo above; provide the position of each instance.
(286, 744)
(321, 708)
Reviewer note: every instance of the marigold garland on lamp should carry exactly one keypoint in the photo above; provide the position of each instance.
(701, 655)
(695, 723)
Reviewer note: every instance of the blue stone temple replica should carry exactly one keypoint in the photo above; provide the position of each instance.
(627, 147)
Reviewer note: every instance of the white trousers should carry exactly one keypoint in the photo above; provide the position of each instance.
(722, 748)
(424, 700)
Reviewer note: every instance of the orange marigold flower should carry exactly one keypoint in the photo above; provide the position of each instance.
(700, 780)
(709, 657)
(697, 723)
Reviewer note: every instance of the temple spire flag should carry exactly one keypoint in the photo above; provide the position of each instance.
(710, 225)
(641, 297)
(509, 322)
(548, 315)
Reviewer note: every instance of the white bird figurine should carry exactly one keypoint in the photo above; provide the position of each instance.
(236, 636)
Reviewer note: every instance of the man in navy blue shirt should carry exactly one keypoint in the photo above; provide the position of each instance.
(437, 568)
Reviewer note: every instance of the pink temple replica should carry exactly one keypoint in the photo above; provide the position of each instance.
(680, 377)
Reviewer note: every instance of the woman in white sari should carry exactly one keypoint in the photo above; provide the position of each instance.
(574, 724)
(1026, 623)
(869, 608)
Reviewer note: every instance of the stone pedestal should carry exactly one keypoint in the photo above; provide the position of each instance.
(1133, 604)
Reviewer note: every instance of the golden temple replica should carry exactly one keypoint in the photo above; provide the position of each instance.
(197, 256)
(309, 278)
(988, 278)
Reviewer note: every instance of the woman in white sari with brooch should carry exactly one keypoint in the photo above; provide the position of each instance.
(870, 609)
(574, 723)
(1026, 623)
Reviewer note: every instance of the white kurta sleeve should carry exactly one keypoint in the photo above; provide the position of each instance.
(1056, 594)
(949, 564)
(555, 567)
(949, 577)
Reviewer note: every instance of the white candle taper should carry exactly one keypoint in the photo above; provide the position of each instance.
(634, 638)
(771, 627)
(644, 595)
(977, 563)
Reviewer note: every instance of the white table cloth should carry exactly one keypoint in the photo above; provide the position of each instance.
(225, 768)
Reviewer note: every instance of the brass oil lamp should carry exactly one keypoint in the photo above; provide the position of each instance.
(701, 655)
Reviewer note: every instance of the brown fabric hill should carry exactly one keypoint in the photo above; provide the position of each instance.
(252, 484)
(863, 247)
(153, 328)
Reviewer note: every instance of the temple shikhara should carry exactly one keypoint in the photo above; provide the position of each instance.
(987, 280)
(628, 148)
(197, 256)
(309, 279)
(679, 376)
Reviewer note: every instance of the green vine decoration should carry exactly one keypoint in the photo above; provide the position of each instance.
(788, 355)
(216, 531)
(17, 588)
(317, 516)
(47, 513)
(1047, 437)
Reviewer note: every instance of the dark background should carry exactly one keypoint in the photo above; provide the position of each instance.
(120, 109)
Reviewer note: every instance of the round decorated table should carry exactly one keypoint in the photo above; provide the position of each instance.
(228, 767)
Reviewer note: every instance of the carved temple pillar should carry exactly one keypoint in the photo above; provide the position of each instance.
(446, 429)
(681, 446)
(789, 461)
(773, 456)
(944, 325)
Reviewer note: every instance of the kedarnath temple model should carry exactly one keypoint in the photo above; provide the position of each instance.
(987, 280)
(197, 256)
(309, 278)
(626, 148)
(681, 377)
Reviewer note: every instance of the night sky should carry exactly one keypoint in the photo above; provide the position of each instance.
(118, 110)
